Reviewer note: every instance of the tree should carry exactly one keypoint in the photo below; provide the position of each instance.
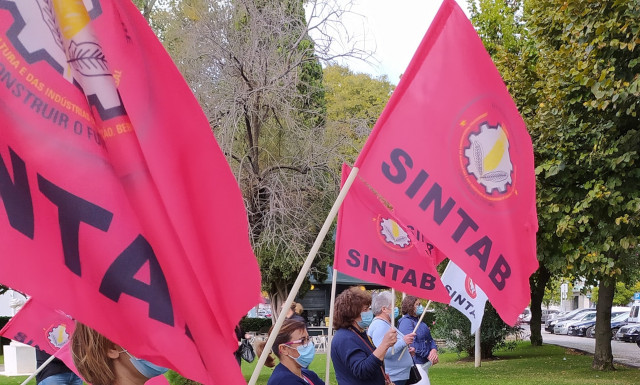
(354, 103)
(256, 72)
(587, 138)
(623, 293)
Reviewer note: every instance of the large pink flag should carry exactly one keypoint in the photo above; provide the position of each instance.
(372, 244)
(118, 206)
(451, 154)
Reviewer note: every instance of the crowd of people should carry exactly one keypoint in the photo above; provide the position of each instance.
(366, 349)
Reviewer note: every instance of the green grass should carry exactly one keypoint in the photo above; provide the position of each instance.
(525, 365)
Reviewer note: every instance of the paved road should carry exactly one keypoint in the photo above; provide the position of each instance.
(623, 352)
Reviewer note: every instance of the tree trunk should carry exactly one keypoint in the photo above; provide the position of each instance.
(603, 355)
(538, 281)
(277, 300)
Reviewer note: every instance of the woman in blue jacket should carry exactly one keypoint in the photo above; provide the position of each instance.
(295, 352)
(356, 360)
(426, 350)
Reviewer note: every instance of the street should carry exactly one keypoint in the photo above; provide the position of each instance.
(623, 352)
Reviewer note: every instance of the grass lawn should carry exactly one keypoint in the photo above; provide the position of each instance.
(549, 365)
(526, 365)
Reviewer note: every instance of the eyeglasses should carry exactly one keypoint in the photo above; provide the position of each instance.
(304, 341)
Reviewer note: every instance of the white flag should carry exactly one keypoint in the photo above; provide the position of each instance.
(465, 295)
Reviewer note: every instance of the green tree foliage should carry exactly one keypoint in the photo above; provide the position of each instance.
(587, 141)
(623, 295)
(354, 103)
(455, 327)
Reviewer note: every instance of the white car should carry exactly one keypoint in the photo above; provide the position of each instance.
(562, 327)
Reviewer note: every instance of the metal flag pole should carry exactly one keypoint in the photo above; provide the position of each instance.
(330, 332)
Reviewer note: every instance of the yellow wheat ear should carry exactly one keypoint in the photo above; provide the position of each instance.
(493, 158)
(395, 229)
(72, 16)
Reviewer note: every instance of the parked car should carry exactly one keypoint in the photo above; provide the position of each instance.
(629, 333)
(550, 324)
(586, 327)
(525, 317)
(548, 314)
(562, 327)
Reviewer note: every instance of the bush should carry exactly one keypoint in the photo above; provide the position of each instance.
(454, 327)
(259, 325)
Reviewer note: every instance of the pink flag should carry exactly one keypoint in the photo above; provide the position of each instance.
(49, 330)
(39, 326)
(452, 155)
(118, 206)
(373, 245)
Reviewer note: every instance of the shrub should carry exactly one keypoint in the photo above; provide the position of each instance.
(260, 325)
(454, 327)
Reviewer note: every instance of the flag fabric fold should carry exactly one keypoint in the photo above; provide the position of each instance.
(118, 206)
(467, 297)
(452, 155)
(372, 244)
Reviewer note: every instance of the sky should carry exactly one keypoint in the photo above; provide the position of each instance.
(394, 28)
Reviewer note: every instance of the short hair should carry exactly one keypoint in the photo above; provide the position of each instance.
(380, 300)
(293, 306)
(408, 305)
(284, 335)
(349, 305)
(298, 309)
(90, 355)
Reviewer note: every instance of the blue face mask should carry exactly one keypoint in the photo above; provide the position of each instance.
(306, 355)
(396, 312)
(420, 310)
(367, 317)
(145, 367)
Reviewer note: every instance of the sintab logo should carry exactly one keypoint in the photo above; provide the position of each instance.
(470, 287)
(489, 160)
(58, 335)
(394, 234)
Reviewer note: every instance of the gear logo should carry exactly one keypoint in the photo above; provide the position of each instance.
(394, 234)
(489, 160)
(58, 336)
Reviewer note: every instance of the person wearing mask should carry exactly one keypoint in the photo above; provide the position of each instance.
(295, 351)
(397, 363)
(356, 360)
(102, 362)
(55, 372)
(426, 350)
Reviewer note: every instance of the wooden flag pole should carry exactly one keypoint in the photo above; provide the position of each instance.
(303, 273)
(330, 325)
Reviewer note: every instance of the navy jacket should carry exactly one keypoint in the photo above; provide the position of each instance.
(282, 376)
(423, 341)
(353, 359)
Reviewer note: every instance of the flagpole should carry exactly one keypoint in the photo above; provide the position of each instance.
(303, 273)
(393, 318)
(416, 328)
(478, 357)
(330, 333)
(44, 364)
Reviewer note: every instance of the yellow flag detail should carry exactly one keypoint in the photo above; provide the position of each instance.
(72, 16)
(493, 158)
(61, 330)
(395, 229)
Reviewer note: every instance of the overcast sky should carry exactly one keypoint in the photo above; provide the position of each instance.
(395, 28)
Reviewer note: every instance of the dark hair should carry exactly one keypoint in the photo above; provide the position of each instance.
(408, 305)
(349, 305)
(284, 335)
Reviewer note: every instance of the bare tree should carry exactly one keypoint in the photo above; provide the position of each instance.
(257, 74)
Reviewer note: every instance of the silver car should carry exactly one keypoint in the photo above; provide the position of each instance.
(562, 327)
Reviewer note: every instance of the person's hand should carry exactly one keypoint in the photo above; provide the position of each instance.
(390, 338)
(408, 339)
(412, 351)
(433, 356)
